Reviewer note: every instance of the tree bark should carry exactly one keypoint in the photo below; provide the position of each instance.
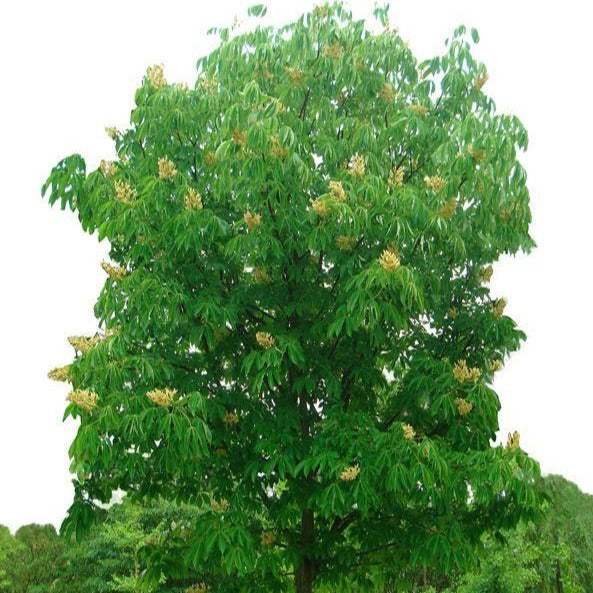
(305, 572)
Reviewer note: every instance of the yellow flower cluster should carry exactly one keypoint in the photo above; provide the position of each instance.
(156, 76)
(111, 331)
(480, 81)
(350, 473)
(387, 92)
(82, 343)
(193, 200)
(252, 220)
(463, 406)
(114, 272)
(230, 418)
(452, 313)
(108, 168)
(111, 132)
(239, 137)
(296, 75)
(486, 274)
(209, 84)
(337, 191)
(333, 51)
(277, 150)
(166, 168)
(513, 441)
(162, 397)
(124, 192)
(465, 374)
(268, 538)
(396, 177)
(197, 588)
(319, 206)
(279, 105)
(87, 400)
(321, 10)
(389, 260)
(220, 506)
(435, 183)
(498, 307)
(476, 153)
(448, 209)
(210, 157)
(261, 275)
(356, 165)
(419, 109)
(495, 365)
(345, 243)
(60, 373)
(265, 340)
(409, 432)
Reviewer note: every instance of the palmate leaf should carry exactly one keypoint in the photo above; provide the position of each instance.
(297, 333)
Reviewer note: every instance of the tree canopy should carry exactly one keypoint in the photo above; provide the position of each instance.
(296, 333)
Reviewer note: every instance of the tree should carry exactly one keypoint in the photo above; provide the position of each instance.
(553, 554)
(115, 553)
(9, 549)
(296, 332)
(34, 560)
(566, 538)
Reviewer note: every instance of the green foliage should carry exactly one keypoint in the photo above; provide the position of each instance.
(9, 549)
(115, 554)
(551, 555)
(30, 560)
(296, 336)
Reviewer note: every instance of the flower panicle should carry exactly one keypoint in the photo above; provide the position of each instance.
(463, 406)
(60, 373)
(465, 374)
(84, 343)
(389, 260)
(498, 307)
(113, 271)
(265, 339)
(350, 473)
(252, 220)
(167, 168)
(192, 200)
(435, 182)
(513, 441)
(156, 76)
(124, 192)
(83, 398)
(409, 432)
(162, 397)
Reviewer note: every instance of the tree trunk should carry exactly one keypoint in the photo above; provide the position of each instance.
(305, 572)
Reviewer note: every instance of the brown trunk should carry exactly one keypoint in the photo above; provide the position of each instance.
(305, 572)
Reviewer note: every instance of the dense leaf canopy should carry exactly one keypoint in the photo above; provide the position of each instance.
(296, 332)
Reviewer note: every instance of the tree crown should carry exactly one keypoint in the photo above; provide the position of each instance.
(297, 330)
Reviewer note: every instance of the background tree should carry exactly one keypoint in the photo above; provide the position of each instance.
(34, 559)
(114, 555)
(296, 333)
(551, 555)
(9, 549)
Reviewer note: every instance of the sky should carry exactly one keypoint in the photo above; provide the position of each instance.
(70, 68)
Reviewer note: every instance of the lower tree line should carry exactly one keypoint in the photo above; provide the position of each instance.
(141, 549)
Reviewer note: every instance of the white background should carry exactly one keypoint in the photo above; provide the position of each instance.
(69, 68)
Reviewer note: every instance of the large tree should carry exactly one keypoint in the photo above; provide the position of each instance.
(296, 333)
